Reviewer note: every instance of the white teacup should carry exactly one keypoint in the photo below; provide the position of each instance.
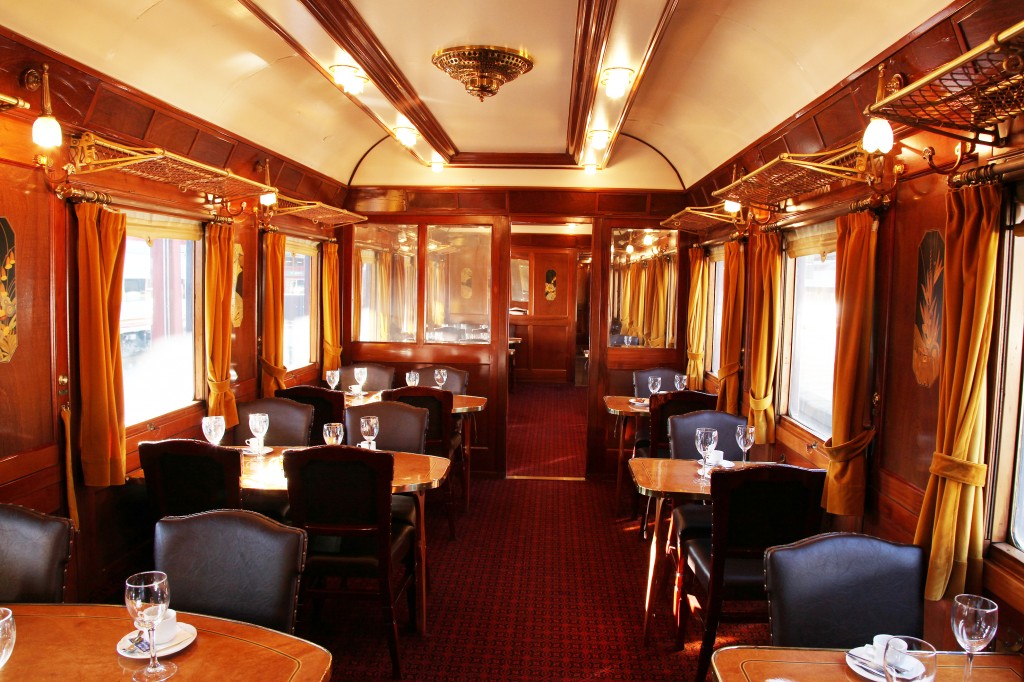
(878, 643)
(355, 389)
(167, 628)
(715, 457)
(252, 444)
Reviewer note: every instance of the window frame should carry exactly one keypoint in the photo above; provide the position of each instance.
(304, 245)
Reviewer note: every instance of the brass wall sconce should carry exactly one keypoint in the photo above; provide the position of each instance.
(46, 131)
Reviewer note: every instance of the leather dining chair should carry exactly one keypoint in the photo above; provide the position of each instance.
(457, 381)
(378, 377)
(342, 496)
(754, 508)
(35, 550)
(640, 376)
(876, 586)
(328, 406)
(185, 476)
(403, 428)
(233, 564)
(290, 421)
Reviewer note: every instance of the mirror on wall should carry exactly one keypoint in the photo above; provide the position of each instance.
(643, 282)
(384, 283)
(520, 287)
(458, 294)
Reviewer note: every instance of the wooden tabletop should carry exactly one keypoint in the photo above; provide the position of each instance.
(461, 404)
(413, 472)
(79, 642)
(660, 477)
(620, 405)
(755, 664)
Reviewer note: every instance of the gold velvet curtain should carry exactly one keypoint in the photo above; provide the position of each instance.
(382, 294)
(852, 378)
(732, 329)
(648, 295)
(331, 274)
(765, 330)
(951, 523)
(696, 318)
(219, 282)
(101, 250)
(272, 361)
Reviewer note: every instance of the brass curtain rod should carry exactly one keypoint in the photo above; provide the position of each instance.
(1006, 171)
(82, 196)
(823, 213)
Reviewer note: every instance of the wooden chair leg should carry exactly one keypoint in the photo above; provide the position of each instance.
(685, 579)
(707, 645)
(390, 625)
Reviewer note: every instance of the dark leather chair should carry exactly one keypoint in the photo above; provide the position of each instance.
(342, 496)
(328, 406)
(403, 428)
(755, 508)
(233, 564)
(185, 476)
(35, 549)
(838, 590)
(290, 422)
(378, 377)
(457, 381)
(668, 378)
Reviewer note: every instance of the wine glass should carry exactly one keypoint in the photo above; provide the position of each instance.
(681, 382)
(359, 373)
(259, 424)
(7, 635)
(213, 429)
(412, 378)
(147, 595)
(369, 426)
(440, 377)
(974, 620)
(654, 384)
(908, 659)
(333, 377)
(334, 433)
(706, 439)
(745, 438)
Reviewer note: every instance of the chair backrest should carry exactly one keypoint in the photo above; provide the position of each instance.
(185, 476)
(640, 376)
(838, 590)
(403, 428)
(234, 564)
(457, 381)
(683, 427)
(328, 406)
(438, 403)
(378, 377)
(35, 549)
(667, 404)
(290, 422)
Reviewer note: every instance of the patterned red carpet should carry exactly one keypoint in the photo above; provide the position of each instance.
(543, 583)
(547, 430)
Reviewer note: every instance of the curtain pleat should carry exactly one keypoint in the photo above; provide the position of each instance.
(219, 282)
(765, 330)
(383, 295)
(272, 361)
(696, 318)
(852, 431)
(732, 329)
(101, 251)
(951, 523)
(331, 296)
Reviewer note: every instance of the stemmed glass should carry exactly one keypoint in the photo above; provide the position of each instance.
(369, 427)
(654, 384)
(333, 377)
(412, 378)
(147, 595)
(213, 429)
(334, 433)
(8, 633)
(440, 377)
(745, 438)
(974, 620)
(908, 659)
(705, 439)
(259, 424)
(681, 382)
(359, 373)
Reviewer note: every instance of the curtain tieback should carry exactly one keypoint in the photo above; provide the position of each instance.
(696, 357)
(728, 370)
(761, 404)
(219, 386)
(968, 473)
(844, 452)
(331, 348)
(273, 370)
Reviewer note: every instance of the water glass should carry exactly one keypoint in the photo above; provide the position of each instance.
(7, 635)
(705, 439)
(334, 433)
(213, 429)
(333, 376)
(440, 377)
(654, 384)
(908, 659)
(681, 382)
(147, 596)
(359, 374)
(745, 438)
(369, 427)
(412, 378)
(974, 620)
(259, 424)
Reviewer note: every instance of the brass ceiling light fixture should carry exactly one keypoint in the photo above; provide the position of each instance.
(482, 69)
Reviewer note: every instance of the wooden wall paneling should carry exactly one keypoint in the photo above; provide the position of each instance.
(243, 342)
(803, 137)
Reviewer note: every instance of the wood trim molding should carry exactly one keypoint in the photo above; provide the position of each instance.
(503, 159)
(593, 24)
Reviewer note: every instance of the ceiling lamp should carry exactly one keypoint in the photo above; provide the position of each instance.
(599, 139)
(436, 163)
(616, 81)
(590, 168)
(350, 77)
(407, 135)
(482, 69)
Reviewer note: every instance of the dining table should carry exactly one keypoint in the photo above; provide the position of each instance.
(661, 479)
(758, 663)
(81, 642)
(624, 407)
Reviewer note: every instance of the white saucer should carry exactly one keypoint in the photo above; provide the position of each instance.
(186, 635)
(252, 453)
(639, 402)
(868, 651)
(724, 464)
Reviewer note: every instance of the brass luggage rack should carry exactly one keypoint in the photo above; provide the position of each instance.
(317, 212)
(700, 219)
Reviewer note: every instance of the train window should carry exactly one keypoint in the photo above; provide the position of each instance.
(158, 315)
(457, 305)
(715, 298)
(300, 296)
(384, 282)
